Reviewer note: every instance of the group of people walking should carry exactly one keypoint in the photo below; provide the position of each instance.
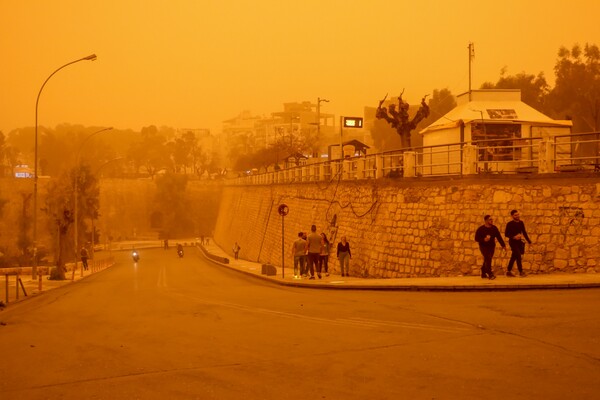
(311, 252)
(487, 234)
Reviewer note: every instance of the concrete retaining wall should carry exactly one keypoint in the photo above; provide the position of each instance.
(420, 227)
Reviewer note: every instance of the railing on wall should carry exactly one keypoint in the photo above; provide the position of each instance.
(508, 156)
(576, 152)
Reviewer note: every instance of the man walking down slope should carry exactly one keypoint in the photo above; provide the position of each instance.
(486, 236)
(517, 235)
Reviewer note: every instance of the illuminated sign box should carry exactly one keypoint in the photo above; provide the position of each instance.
(353, 122)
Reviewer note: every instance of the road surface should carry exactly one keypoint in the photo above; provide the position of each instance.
(171, 328)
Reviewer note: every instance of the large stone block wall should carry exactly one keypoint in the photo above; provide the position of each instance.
(396, 228)
(125, 209)
(420, 227)
(127, 205)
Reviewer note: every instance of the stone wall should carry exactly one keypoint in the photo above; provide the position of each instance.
(420, 227)
(127, 206)
(397, 228)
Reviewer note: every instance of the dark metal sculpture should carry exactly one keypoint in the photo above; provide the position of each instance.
(399, 119)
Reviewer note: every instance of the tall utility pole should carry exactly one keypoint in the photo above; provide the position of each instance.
(471, 56)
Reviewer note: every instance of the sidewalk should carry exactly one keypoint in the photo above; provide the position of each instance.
(458, 283)
(29, 287)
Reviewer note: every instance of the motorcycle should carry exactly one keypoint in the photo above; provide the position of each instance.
(135, 255)
(180, 253)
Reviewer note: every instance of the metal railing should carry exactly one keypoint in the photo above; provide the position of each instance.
(575, 152)
(496, 156)
(438, 160)
(567, 145)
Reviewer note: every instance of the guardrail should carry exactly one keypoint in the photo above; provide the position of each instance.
(494, 156)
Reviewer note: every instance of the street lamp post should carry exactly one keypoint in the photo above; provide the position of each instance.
(319, 101)
(91, 57)
(76, 194)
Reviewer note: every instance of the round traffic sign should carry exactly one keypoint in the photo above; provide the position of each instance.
(283, 210)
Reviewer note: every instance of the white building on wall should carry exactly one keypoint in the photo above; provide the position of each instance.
(498, 123)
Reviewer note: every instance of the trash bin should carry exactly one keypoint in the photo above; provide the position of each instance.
(269, 270)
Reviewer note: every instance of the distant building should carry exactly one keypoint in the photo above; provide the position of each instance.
(23, 171)
(246, 133)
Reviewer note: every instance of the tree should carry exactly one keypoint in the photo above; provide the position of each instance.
(399, 118)
(241, 146)
(576, 94)
(88, 203)
(60, 210)
(24, 241)
(386, 138)
(534, 88)
(3, 155)
(22, 140)
(151, 152)
(441, 102)
(172, 202)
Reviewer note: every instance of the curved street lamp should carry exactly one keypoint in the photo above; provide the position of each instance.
(319, 101)
(91, 57)
(76, 193)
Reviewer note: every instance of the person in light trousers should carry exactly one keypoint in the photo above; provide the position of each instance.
(344, 255)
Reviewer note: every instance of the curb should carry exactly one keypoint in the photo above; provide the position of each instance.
(406, 288)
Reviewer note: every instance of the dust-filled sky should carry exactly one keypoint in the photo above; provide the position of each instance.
(195, 63)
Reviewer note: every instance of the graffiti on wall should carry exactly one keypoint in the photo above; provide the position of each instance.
(570, 221)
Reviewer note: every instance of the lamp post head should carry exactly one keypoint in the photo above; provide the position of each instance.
(323, 100)
(91, 57)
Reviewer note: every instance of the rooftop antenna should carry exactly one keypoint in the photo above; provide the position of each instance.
(471, 48)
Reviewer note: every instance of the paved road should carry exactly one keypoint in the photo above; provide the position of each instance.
(186, 329)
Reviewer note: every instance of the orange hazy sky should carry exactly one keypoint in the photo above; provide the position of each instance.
(195, 63)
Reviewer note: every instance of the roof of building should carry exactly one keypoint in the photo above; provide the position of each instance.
(357, 144)
(493, 106)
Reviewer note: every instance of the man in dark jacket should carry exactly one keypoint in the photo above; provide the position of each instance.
(486, 236)
(517, 235)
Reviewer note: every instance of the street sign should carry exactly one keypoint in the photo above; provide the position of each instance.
(352, 122)
(283, 210)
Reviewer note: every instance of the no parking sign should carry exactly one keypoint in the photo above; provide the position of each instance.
(283, 210)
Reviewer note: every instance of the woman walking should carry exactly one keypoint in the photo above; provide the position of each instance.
(344, 255)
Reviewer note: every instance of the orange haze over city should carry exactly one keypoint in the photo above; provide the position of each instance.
(195, 63)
